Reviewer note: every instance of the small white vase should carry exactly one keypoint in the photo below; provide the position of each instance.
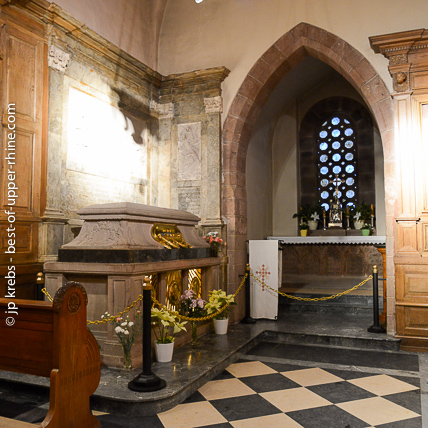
(220, 326)
(358, 224)
(164, 352)
(313, 224)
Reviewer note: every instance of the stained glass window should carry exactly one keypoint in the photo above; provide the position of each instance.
(336, 144)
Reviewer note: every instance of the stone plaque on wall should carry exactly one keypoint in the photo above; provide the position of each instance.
(102, 141)
(189, 199)
(189, 151)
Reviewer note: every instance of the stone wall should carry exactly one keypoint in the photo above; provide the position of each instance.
(120, 132)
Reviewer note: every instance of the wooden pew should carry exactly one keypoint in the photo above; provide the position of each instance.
(52, 340)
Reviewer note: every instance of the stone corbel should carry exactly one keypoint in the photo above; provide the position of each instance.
(162, 111)
(58, 59)
(213, 105)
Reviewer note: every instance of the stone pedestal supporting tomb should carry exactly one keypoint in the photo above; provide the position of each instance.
(119, 244)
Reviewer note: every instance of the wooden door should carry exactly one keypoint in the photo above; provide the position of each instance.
(23, 71)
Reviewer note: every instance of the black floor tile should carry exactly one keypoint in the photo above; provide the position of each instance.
(223, 425)
(11, 409)
(224, 375)
(326, 417)
(415, 381)
(194, 398)
(410, 400)
(122, 421)
(280, 367)
(340, 392)
(378, 359)
(407, 423)
(348, 374)
(249, 406)
(270, 382)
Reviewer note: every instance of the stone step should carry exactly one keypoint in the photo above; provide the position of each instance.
(376, 341)
(353, 303)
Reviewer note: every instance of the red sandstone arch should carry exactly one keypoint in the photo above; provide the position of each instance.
(273, 65)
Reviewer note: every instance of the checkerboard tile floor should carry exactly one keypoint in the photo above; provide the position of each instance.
(258, 394)
(261, 391)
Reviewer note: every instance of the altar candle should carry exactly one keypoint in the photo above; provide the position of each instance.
(371, 206)
(323, 212)
(347, 210)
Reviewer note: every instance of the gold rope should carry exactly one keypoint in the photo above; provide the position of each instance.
(157, 303)
(208, 317)
(315, 299)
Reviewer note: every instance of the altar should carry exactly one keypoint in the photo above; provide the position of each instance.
(341, 260)
(331, 255)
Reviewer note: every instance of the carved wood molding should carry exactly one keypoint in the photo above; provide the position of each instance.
(403, 51)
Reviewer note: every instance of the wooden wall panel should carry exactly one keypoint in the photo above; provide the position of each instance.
(412, 284)
(22, 73)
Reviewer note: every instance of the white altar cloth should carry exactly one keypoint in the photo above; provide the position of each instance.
(317, 240)
(266, 265)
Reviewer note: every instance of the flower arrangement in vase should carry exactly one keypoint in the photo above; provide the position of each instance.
(127, 332)
(365, 230)
(361, 214)
(215, 242)
(165, 326)
(219, 301)
(194, 307)
(303, 227)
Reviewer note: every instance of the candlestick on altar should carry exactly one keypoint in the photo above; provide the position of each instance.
(347, 221)
(372, 217)
(324, 219)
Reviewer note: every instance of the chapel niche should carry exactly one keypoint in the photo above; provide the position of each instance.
(363, 135)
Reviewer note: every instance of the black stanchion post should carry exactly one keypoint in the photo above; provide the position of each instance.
(248, 319)
(376, 327)
(147, 381)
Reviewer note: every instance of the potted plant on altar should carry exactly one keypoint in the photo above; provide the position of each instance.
(220, 302)
(303, 214)
(303, 227)
(127, 332)
(361, 214)
(365, 229)
(215, 242)
(194, 307)
(165, 325)
(314, 216)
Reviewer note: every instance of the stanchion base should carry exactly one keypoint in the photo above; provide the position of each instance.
(248, 320)
(146, 383)
(376, 329)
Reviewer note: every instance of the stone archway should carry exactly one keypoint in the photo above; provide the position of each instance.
(303, 40)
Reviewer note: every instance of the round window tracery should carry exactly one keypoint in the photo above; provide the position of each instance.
(337, 148)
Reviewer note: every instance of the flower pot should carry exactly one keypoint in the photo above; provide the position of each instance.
(304, 232)
(365, 232)
(220, 326)
(164, 352)
(358, 224)
(313, 224)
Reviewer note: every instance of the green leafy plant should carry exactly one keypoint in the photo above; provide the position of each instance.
(362, 212)
(304, 213)
(366, 226)
(303, 226)
(165, 325)
(217, 301)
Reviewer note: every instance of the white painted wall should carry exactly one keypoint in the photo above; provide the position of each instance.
(236, 33)
(132, 25)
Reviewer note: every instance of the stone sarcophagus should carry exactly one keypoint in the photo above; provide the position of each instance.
(118, 245)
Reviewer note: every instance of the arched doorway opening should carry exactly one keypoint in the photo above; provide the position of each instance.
(303, 43)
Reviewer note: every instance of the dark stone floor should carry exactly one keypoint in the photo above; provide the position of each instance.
(302, 340)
